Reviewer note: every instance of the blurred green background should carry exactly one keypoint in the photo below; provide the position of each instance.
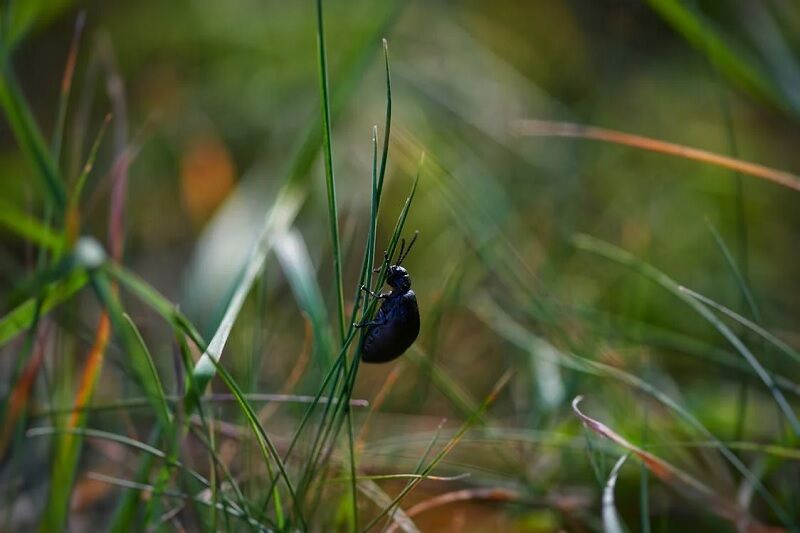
(219, 95)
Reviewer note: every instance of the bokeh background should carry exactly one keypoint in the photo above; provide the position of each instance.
(213, 100)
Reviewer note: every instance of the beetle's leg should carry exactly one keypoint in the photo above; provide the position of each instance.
(374, 295)
(370, 323)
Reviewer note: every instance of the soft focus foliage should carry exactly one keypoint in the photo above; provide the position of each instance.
(555, 263)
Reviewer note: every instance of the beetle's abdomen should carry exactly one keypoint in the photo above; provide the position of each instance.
(398, 330)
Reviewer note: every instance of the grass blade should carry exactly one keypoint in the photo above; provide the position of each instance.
(547, 128)
(611, 520)
(604, 249)
(28, 136)
(23, 316)
(20, 223)
(683, 482)
(330, 184)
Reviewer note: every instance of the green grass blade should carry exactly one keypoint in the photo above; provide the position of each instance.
(744, 288)
(330, 184)
(21, 224)
(277, 222)
(139, 358)
(23, 316)
(604, 249)
(268, 450)
(293, 256)
(155, 300)
(700, 33)
(749, 324)
(515, 333)
(29, 138)
(66, 86)
(387, 127)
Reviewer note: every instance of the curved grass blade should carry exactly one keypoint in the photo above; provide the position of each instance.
(684, 484)
(548, 128)
(611, 520)
(749, 324)
(139, 358)
(604, 249)
(155, 300)
(503, 324)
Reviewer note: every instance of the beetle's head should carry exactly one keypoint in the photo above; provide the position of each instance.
(398, 278)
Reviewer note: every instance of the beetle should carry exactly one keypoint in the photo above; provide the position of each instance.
(396, 326)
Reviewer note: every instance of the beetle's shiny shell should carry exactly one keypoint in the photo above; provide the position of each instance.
(396, 328)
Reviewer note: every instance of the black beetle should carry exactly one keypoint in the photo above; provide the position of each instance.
(396, 325)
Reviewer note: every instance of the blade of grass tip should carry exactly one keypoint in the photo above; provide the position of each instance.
(398, 229)
(333, 217)
(744, 287)
(29, 138)
(377, 185)
(387, 128)
(72, 221)
(490, 399)
(611, 520)
(401, 221)
(547, 128)
(66, 87)
(685, 484)
(618, 255)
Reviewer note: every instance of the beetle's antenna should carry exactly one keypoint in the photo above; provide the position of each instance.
(410, 244)
(402, 247)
